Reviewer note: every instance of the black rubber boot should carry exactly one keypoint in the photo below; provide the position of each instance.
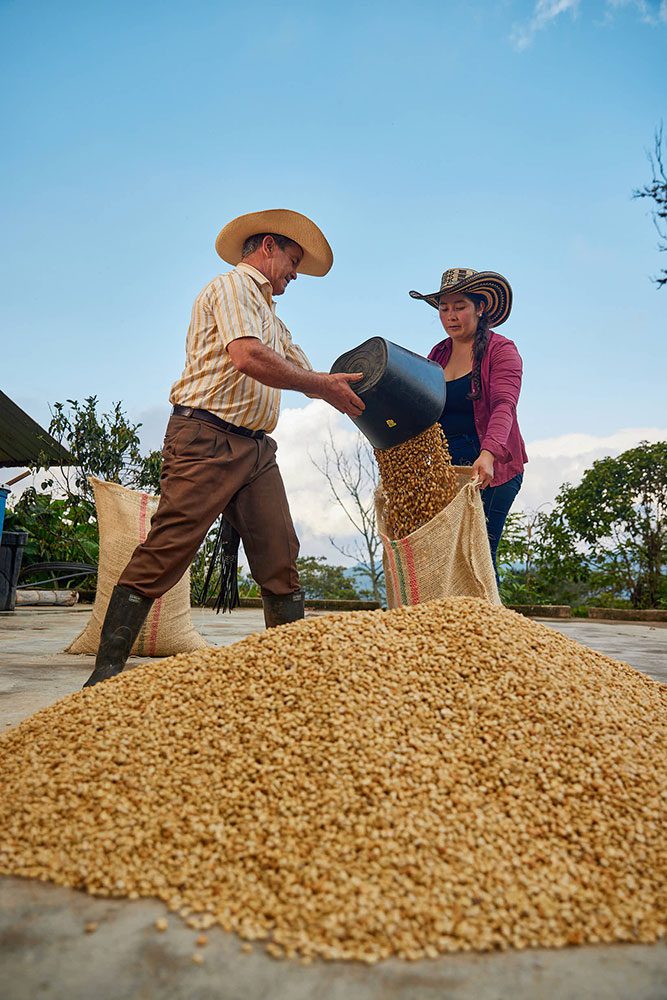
(125, 615)
(279, 609)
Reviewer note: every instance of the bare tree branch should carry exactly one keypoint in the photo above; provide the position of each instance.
(352, 481)
(657, 192)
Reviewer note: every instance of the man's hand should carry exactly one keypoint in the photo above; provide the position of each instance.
(336, 391)
(483, 467)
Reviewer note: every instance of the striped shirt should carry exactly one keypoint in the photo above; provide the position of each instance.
(233, 305)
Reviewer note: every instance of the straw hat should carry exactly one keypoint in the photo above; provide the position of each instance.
(317, 254)
(495, 289)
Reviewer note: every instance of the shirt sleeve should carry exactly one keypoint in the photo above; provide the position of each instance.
(440, 353)
(236, 308)
(505, 375)
(293, 352)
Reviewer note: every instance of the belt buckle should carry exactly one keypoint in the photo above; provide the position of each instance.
(187, 411)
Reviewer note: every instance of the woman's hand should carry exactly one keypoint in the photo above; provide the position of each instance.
(483, 467)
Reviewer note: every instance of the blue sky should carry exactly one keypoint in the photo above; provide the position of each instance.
(506, 136)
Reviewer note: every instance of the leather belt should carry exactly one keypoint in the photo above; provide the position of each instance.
(210, 418)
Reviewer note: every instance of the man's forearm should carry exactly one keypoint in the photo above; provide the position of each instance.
(266, 366)
(255, 359)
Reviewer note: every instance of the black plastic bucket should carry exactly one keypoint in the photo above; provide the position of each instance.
(404, 393)
(11, 556)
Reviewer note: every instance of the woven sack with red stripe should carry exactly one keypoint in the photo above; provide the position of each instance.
(449, 556)
(124, 518)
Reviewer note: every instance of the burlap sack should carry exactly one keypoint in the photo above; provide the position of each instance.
(124, 518)
(449, 556)
(463, 474)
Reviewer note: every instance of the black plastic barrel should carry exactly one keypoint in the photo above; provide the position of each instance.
(11, 556)
(404, 393)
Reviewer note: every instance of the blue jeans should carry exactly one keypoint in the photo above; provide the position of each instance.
(496, 500)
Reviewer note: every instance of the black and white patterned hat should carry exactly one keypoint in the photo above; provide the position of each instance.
(495, 289)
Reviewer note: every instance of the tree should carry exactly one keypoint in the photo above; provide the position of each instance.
(561, 566)
(105, 445)
(518, 558)
(619, 513)
(149, 472)
(319, 580)
(59, 530)
(352, 481)
(61, 521)
(63, 528)
(539, 561)
(656, 191)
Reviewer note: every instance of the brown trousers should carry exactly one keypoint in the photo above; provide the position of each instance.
(206, 471)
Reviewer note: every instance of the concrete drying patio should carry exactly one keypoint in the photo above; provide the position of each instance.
(46, 953)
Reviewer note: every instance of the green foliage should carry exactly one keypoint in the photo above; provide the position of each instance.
(518, 559)
(59, 530)
(619, 512)
(538, 562)
(199, 570)
(62, 522)
(318, 579)
(247, 586)
(604, 544)
(149, 472)
(321, 581)
(562, 563)
(105, 446)
(369, 586)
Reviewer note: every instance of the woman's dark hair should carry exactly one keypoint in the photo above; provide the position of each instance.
(479, 345)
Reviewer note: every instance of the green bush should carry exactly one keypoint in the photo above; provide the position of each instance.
(59, 530)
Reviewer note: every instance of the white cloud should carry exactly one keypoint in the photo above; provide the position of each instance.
(546, 12)
(302, 433)
(649, 13)
(564, 459)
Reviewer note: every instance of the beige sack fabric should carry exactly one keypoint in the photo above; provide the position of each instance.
(463, 474)
(124, 518)
(449, 556)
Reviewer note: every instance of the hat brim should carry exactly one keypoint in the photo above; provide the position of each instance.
(493, 287)
(317, 254)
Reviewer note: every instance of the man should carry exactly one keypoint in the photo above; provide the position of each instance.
(217, 455)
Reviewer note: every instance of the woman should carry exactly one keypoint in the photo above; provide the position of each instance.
(483, 374)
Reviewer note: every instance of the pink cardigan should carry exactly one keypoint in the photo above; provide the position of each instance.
(495, 412)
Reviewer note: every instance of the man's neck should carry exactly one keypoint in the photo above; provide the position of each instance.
(256, 261)
(260, 278)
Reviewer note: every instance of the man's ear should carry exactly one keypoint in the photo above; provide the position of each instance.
(268, 245)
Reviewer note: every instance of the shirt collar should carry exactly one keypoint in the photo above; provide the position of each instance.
(260, 279)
